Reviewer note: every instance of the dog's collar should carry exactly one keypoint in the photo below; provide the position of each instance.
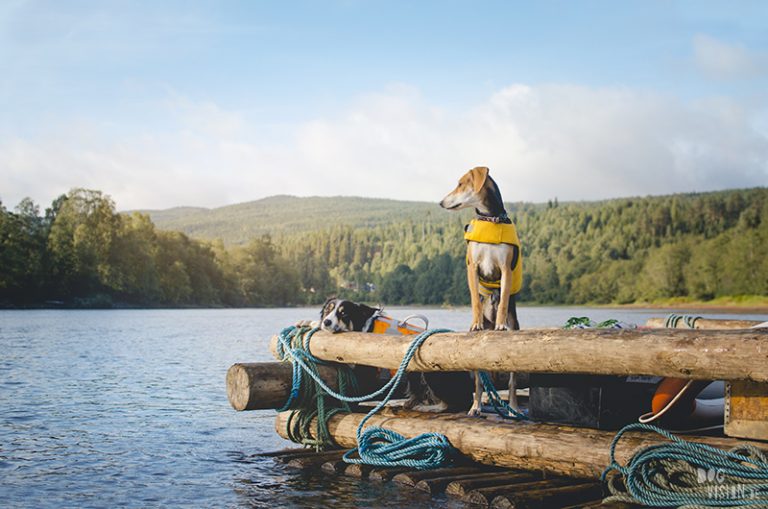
(503, 218)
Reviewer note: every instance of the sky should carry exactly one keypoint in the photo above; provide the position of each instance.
(197, 103)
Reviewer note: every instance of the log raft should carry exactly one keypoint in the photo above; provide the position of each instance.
(562, 450)
(692, 354)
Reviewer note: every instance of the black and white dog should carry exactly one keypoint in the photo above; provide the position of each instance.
(425, 392)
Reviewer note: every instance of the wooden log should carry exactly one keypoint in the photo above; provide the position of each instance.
(485, 496)
(282, 452)
(460, 488)
(266, 385)
(386, 474)
(413, 477)
(551, 498)
(316, 460)
(358, 471)
(562, 450)
(300, 453)
(705, 323)
(695, 354)
(334, 466)
(437, 485)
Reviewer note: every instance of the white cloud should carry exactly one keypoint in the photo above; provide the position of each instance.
(719, 59)
(539, 141)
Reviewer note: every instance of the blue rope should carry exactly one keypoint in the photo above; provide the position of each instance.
(375, 446)
(499, 405)
(690, 474)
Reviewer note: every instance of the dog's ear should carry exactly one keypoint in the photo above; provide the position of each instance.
(479, 176)
(325, 305)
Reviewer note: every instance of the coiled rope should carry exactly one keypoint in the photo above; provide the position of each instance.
(689, 474)
(375, 445)
(672, 320)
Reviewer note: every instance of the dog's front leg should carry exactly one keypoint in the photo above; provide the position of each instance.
(506, 286)
(473, 280)
(477, 402)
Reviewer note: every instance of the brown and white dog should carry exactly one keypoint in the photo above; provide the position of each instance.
(495, 309)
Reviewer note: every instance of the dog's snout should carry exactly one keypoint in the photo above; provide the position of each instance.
(327, 322)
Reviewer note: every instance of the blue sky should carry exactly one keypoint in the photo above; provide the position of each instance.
(208, 103)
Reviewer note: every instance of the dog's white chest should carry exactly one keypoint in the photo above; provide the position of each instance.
(489, 257)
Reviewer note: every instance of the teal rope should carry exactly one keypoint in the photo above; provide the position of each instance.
(499, 405)
(375, 446)
(672, 320)
(690, 474)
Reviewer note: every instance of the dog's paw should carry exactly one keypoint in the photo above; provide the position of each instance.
(501, 326)
(476, 327)
(474, 411)
(308, 323)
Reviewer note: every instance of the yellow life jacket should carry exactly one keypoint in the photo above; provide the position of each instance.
(487, 232)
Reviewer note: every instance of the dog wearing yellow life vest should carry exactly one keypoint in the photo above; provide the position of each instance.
(494, 261)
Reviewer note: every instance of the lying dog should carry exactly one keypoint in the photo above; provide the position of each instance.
(426, 392)
(494, 268)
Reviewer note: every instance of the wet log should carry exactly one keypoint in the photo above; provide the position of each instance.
(358, 471)
(564, 450)
(386, 474)
(315, 460)
(334, 466)
(694, 354)
(485, 496)
(460, 488)
(437, 485)
(551, 498)
(705, 323)
(413, 477)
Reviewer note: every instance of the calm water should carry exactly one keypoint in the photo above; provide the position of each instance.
(129, 409)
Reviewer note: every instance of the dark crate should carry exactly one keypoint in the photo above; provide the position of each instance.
(592, 401)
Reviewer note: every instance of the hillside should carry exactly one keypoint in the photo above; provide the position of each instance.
(699, 246)
(238, 224)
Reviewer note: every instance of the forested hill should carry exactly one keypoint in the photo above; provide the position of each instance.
(238, 224)
(285, 251)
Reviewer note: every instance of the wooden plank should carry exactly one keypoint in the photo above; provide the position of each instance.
(746, 410)
(551, 498)
(693, 354)
(564, 450)
(461, 487)
(283, 452)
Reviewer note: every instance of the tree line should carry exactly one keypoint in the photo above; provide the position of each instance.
(81, 252)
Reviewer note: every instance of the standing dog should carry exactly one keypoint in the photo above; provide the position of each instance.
(426, 392)
(494, 266)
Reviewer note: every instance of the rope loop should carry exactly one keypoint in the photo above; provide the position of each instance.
(376, 446)
(688, 474)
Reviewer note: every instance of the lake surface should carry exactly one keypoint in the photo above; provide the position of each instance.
(129, 409)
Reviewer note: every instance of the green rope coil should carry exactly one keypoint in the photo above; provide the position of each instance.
(689, 474)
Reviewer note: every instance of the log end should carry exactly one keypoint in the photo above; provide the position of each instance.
(238, 387)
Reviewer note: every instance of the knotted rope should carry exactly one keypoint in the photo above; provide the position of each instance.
(689, 474)
(375, 445)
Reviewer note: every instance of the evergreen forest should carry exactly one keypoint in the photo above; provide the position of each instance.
(287, 251)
